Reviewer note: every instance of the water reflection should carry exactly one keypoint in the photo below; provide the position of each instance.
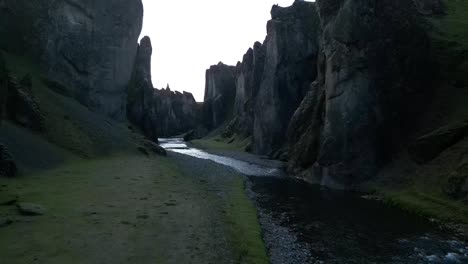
(179, 146)
(304, 223)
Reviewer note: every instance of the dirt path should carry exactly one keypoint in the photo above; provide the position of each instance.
(129, 209)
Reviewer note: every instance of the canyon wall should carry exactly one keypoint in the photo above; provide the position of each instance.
(158, 113)
(333, 85)
(220, 91)
(87, 47)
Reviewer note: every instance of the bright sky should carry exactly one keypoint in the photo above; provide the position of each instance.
(188, 36)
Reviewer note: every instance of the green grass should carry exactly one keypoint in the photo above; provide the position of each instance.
(431, 205)
(220, 143)
(244, 228)
(67, 123)
(450, 39)
(454, 25)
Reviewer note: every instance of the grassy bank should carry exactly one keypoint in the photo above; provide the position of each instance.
(244, 229)
(128, 209)
(220, 143)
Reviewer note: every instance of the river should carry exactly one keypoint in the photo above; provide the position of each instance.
(303, 223)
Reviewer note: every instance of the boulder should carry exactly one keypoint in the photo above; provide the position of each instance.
(7, 165)
(5, 222)
(7, 198)
(155, 148)
(457, 182)
(22, 106)
(429, 146)
(87, 46)
(31, 209)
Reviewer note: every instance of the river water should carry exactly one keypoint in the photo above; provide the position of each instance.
(303, 223)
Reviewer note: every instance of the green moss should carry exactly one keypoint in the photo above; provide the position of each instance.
(220, 143)
(244, 228)
(426, 202)
(450, 39)
(60, 129)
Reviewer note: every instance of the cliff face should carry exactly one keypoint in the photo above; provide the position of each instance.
(140, 101)
(291, 49)
(88, 47)
(333, 85)
(177, 112)
(249, 75)
(372, 61)
(158, 113)
(220, 91)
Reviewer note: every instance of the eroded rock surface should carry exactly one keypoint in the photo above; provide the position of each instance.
(220, 92)
(87, 46)
(158, 113)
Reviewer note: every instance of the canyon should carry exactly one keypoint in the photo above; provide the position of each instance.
(349, 95)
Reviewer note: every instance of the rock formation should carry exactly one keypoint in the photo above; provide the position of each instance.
(220, 91)
(249, 75)
(89, 47)
(177, 112)
(158, 113)
(331, 87)
(7, 165)
(291, 49)
(140, 102)
(273, 78)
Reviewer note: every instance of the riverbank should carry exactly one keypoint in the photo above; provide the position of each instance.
(132, 209)
(422, 195)
(219, 146)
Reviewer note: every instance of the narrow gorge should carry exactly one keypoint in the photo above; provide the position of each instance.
(341, 138)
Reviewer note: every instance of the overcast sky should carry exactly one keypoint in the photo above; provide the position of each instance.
(188, 36)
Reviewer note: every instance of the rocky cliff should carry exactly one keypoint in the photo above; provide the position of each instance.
(88, 47)
(291, 49)
(220, 91)
(158, 113)
(176, 112)
(333, 84)
(373, 58)
(274, 76)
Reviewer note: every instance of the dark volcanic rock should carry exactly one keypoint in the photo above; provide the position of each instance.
(31, 209)
(457, 183)
(158, 113)
(430, 7)
(248, 79)
(429, 146)
(22, 107)
(155, 148)
(176, 112)
(291, 49)
(371, 52)
(4, 80)
(140, 93)
(5, 222)
(7, 165)
(220, 92)
(304, 130)
(87, 46)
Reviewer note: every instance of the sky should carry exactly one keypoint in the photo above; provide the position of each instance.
(188, 36)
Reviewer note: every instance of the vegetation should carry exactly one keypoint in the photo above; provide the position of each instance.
(233, 143)
(244, 228)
